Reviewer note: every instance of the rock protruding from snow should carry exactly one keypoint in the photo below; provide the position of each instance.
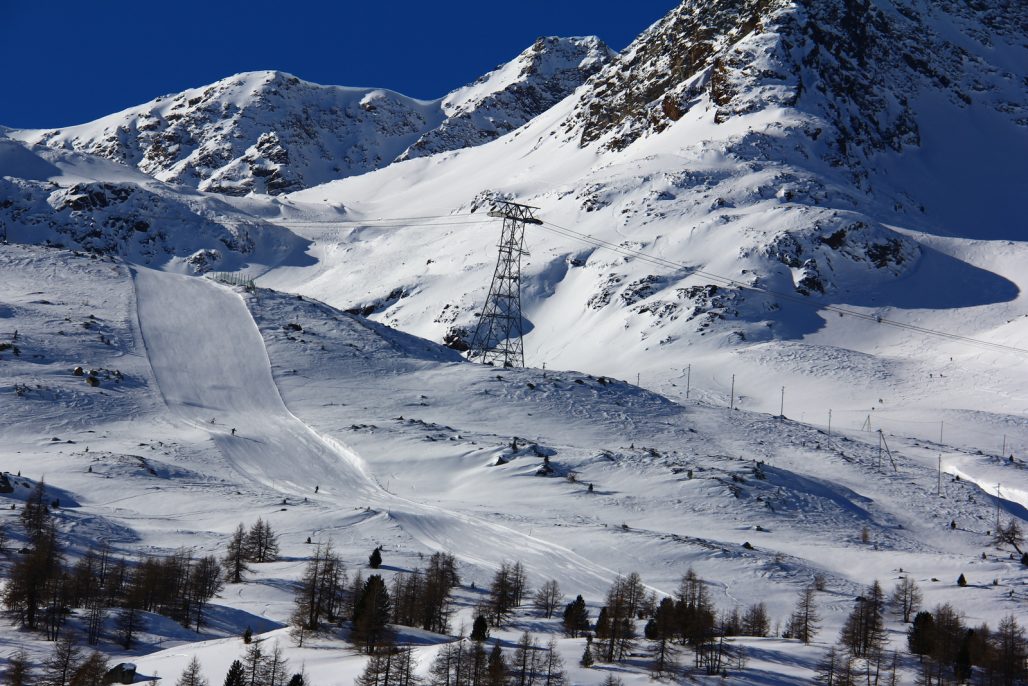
(514, 93)
(858, 67)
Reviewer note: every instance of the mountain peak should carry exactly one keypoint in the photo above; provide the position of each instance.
(856, 64)
(514, 93)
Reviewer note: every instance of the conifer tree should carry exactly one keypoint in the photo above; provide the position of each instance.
(803, 623)
(375, 559)
(863, 633)
(319, 597)
(661, 630)
(921, 635)
(576, 618)
(92, 671)
(587, 656)
(19, 670)
(1009, 653)
(34, 592)
(552, 671)
(192, 676)
(480, 629)
(906, 598)
(253, 663)
(274, 668)
(204, 582)
(496, 669)
(696, 616)
(35, 515)
(616, 624)
(62, 663)
(371, 614)
(261, 543)
(834, 669)
(755, 621)
(548, 598)
(503, 593)
(448, 666)
(524, 664)
(236, 674)
(236, 556)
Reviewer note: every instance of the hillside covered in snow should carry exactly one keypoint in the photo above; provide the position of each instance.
(773, 318)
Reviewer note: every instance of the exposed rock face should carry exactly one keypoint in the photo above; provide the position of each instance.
(856, 65)
(126, 214)
(833, 87)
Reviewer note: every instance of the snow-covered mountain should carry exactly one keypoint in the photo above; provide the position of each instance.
(513, 94)
(718, 200)
(270, 132)
(765, 143)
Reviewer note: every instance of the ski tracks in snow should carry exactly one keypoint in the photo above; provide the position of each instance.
(210, 363)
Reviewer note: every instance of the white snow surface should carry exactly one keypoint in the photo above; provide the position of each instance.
(401, 437)
(633, 365)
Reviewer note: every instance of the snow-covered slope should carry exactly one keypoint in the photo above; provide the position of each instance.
(744, 141)
(270, 132)
(752, 164)
(331, 426)
(83, 202)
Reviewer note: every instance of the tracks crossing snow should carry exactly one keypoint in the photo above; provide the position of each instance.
(209, 362)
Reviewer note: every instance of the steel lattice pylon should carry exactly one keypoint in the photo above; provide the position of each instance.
(498, 335)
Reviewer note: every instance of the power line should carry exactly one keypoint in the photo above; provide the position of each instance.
(586, 238)
(423, 221)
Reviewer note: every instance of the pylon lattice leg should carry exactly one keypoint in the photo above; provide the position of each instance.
(498, 337)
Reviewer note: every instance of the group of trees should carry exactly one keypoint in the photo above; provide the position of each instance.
(42, 587)
(420, 599)
(470, 663)
(949, 652)
(258, 666)
(506, 592)
(65, 665)
(322, 595)
(687, 619)
(258, 544)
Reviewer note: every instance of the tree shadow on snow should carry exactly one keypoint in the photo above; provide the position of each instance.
(231, 621)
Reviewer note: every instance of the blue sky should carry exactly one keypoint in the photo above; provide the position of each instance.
(69, 62)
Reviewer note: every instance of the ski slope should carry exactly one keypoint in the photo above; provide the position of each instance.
(229, 386)
(212, 370)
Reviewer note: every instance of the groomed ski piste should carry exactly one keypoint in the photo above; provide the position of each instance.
(218, 406)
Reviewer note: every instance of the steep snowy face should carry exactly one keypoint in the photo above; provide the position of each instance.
(804, 103)
(856, 65)
(271, 133)
(514, 93)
